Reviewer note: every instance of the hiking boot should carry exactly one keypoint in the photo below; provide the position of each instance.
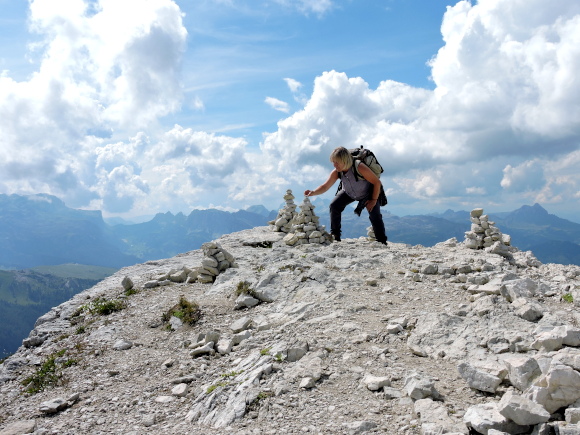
(335, 237)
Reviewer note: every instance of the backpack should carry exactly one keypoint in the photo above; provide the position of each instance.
(370, 160)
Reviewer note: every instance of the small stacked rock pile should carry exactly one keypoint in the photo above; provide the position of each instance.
(485, 235)
(216, 261)
(282, 223)
(305, 227)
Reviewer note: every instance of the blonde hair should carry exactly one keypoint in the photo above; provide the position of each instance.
(341, 155)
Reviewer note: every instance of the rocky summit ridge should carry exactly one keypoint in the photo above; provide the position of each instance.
(335, 338)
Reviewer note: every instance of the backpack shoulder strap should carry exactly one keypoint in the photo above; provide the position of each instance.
(357, 174)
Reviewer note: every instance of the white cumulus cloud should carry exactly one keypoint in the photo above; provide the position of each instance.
(277, 104)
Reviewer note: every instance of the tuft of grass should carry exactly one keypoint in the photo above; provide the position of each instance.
(187, 312)
(568, 298)
(48, 374)
(61, 337)
(245, 288)
(80, 330)
(265, 351)
(264, 395)
(231, 374)
(211, 388)
(131, 291)
(101, 307)
(256, 403)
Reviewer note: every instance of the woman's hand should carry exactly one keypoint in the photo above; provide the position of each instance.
(308, 192)
(370, 204)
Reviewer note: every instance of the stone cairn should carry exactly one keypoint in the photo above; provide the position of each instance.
(485, 235)
(302, 227)
(283, 220)
(216, 261)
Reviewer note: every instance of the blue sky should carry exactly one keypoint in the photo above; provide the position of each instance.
(147, 106)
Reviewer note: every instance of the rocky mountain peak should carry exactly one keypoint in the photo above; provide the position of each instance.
(335, 338)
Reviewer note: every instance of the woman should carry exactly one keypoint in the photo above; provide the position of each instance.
(363, 186)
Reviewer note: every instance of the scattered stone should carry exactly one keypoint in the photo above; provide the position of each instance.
(122, 345)
(485, 417)
(203, 350)
(53, 406)
(435, 418)
(419, 386)
(521, 410)
(375, 383)
(357, 427)
(127, 283)
(19, 428)
(180, 390)
(245, 301)
(478, 379)
(241, 324)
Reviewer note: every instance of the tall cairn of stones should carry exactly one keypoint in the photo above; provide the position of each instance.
(485, 235)
(216, 261)
(282, 223)
(305, 227)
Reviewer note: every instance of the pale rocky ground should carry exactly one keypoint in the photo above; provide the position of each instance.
(334, 352)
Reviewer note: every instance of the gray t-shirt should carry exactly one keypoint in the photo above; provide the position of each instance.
(356, 189)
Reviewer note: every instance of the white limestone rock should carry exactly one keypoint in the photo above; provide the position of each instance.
(556, 389)
(478, 379)
(485, 417)
(418, 386)
(435, 418)
(522, 410)
(522, 371)
(375, 383)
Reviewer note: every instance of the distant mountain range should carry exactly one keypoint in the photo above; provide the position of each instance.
(41, 230)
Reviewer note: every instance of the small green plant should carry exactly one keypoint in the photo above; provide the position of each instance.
(245, 288)
(260, 268)
(131, 291)
(264, 395)
(80, 330)
(265, 351)
(211, 388)
(231, 374)
(568, 298)
(187, 312)
(48, 374)
(102, 307)
(278, 357)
